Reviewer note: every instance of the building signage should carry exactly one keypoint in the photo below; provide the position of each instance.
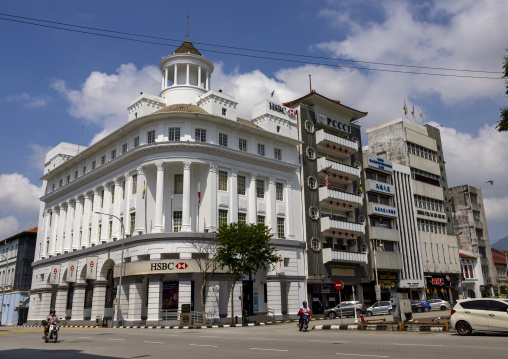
(91, 267)
(334, 123)
(72, 269)
(381, 187)
(384, 210)
(161, 267)
(54, 276)
(430, 214)
(379, 163)
(281, 109)
(438, 282)
(387, 276)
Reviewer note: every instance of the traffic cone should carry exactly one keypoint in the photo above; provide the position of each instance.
(361, 317)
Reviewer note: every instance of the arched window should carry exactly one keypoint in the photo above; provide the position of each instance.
(108, 302)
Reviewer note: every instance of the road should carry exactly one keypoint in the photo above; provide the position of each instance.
(273, 341)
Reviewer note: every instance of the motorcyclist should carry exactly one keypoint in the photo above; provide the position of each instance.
(50, 319)
(303, 311)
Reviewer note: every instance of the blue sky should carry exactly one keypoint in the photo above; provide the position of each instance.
(62, 86)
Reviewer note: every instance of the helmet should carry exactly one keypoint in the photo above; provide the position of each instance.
(304, 302)
(52, 311)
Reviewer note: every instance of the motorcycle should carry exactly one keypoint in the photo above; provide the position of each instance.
(52, 333)
(305, 322)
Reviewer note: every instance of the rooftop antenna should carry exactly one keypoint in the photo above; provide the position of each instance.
(310, 83)
(187, 28)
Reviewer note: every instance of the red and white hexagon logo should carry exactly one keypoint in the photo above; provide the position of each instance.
(72, 268)
(55, 271)
(291, 112)
(91, 264)
(181, 265)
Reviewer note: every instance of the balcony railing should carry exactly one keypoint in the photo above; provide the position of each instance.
(341, 228)
(338, 171)
(338, 199)
(342, 256)
(335, 145)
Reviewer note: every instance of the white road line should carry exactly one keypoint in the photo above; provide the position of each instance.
(204, 345)
(85, 337)
(422, 345)
(364, 355)
(154, 342)
(115, 339)
(209, 336)
(261, 339)
(274, 350)
(169, 335)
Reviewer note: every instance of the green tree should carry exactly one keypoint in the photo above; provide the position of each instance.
(502, 124)
(244, 249)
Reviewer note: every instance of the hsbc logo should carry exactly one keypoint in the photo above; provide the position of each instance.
(168, 266)
(182, 265)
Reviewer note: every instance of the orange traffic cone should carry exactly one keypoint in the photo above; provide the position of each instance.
(361, 317)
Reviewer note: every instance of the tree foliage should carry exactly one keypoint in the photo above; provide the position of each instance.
(502, 124)
(244, 249)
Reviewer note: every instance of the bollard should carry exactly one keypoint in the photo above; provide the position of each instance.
(236, 319)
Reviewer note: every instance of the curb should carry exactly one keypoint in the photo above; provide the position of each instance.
(386, 327)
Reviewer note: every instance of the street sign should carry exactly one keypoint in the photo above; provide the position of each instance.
(338, 285)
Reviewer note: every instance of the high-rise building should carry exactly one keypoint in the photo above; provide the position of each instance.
(419, 148)
(478, 269)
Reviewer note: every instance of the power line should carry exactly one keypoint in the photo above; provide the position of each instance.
(246, 49)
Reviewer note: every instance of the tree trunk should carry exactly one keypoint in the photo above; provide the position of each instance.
(203, 311)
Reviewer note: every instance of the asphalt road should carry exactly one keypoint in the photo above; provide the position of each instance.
(273, 341)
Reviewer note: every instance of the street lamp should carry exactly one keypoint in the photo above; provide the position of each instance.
(121, 266)
(3, 287)
(377, 289)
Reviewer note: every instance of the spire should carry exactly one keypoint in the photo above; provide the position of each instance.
(187, 28)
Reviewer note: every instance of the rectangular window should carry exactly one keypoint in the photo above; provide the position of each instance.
(177, 221)
(223, 139)
(277, 154)
(132, 223)
(224, 111)
(60, 183)
(174, 134)
(103, 159)
(242, 217)
(280, 228)
(150, 137)
(240, 183)
(200, 135)
(223, 181)
(75, 174)
(134, 184)
(113, 154)
(93, 165)
(124, 148)
(91, 202)
(261, 149)
(242, 145)
(136, 141)
(260, 188)
(68, 178)
(178, 184)
(123, 189)
(223, 217)
(279, 191)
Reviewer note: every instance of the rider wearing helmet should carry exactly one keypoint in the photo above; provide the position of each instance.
(50, 319)
(303, 311)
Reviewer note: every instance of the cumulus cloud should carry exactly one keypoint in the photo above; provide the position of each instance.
(28, 100)
(9, 226)
(19, 197)
(38, 156)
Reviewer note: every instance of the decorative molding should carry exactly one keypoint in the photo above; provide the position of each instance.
(253, 177)
(213, 167)
(289, 183)
(272, 180)
(186, 165)
(159, 165)
(234, 172)
(140, 170)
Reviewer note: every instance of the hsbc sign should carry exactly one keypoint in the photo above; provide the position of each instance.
(281, 109)
(168, 266)
(160, 267)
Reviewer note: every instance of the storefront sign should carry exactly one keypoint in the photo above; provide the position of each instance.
(384, 210)
(91, 267)
(392, 276)
(379, 163)
(72, 269)
(54, 275)
(381, 187)
(161, 267)
(334, 123)
(438, 282)
(281, 109)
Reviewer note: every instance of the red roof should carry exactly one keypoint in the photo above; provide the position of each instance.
(499, 256)
(466, 256)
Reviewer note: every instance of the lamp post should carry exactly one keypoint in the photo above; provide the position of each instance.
(3, 287)
(377, 289)
(121, 266)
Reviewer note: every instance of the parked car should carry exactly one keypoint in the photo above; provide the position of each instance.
(439, 304)
(348, 309)
(417, 306)
(480, 315)
(380, 308)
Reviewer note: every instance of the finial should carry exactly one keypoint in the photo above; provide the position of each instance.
(187, 28)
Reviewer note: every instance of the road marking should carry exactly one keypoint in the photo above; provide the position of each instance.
(365, 355)
(422, 345)
(209, 336)
(262, 339)
(154, 342)
(115, 339)
(275, 350)
(169, 335)
(85, 337)
(204, 345)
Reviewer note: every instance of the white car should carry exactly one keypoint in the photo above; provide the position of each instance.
(439, 304)
(480, 315)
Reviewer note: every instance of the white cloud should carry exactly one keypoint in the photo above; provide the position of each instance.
(9, 226)
(38, 156)
(28, 100)
(19, 197)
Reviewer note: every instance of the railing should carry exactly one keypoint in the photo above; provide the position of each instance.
(326, 193)
(321, 135)
(169, 314)
(338, 167)
(172, 314)
(327, 223)
(343, 256)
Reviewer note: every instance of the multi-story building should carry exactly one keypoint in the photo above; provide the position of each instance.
(330, 156)
(500, 258)
(17, 255)
(391, 230)
(182, 164)
(419, 148)
(478, 270)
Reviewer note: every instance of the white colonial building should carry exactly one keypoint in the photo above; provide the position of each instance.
(181, 165)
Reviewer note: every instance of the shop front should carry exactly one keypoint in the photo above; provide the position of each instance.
(438, 287)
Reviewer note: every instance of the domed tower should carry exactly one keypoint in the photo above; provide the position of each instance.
(185, 75)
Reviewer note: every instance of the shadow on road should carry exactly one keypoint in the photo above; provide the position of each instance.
(48, 353)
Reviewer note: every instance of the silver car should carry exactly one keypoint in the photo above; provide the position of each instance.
(439, 304)
(380, 308)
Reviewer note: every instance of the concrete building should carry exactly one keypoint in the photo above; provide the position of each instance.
(478, 270)
(17, 255)
(330, 156)
(181, 165)
(500, 258)
(392, 236)
(419, 148)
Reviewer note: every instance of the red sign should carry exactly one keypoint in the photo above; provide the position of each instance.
(291, 112)
(91, 264)
(182, 265)
(55, 271)
(72, 268)
(338, 285)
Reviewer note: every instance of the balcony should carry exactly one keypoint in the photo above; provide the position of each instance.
(342, 256)
(388, 260)
(338, 172)
(385, 234)
(341, 229)
(338, 200)
(334, 145)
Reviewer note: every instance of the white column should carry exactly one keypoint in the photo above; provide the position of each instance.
(135, 296)
(294, 297)
(47, 231)
(253, 200)
(159, 198)
(61, 228)
(290, 211)
(162, 82)
(45, 303)
(86, 220)
(117, 227)
(233, 198)
(207, 80)
(271, 211)
(211, 190)
(184, 294)
(61, 301)
(105, 218)
(187, 75)
(78, 302)
(274, 300)
(123, 294)
(199, 76)
(69, 226)
(99, 296)
(235, 309)
(140, 203)
(165, 79)
(95, 217)
(154, 299)
(186, 197)
(175, 82)
(76, 223)
(54, 228)
(126, 211)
